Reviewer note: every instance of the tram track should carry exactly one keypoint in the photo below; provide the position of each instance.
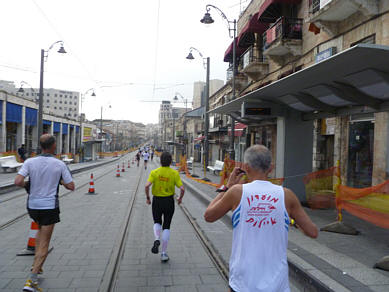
(24, 214)
(109, 280)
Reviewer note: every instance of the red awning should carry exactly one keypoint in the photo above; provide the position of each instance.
(199, 138)
(246, 37)
(238, 130)
(228, 53)
(268, 11)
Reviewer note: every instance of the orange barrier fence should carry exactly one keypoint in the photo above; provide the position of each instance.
(370, 204)
(320, 187)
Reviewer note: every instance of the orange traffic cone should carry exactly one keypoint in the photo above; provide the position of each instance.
(30, 249)
(118, 171)
(91, 185)
(129, 166)
(123, 169)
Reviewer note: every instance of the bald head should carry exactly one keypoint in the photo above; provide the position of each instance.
(258, 157)
(47, 141)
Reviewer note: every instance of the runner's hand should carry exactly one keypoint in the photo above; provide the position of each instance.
(179, 201)
(235, 177)
(148, 202)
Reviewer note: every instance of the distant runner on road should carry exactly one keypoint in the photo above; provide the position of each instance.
(164, 180)
(146, 157)
(137, 156)
(260, 219)
(46, 173)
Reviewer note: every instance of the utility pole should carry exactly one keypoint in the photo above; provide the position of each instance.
(206, 118)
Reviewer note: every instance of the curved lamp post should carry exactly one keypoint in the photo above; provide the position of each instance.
(207, 19)
(44, 56)
(21, 89)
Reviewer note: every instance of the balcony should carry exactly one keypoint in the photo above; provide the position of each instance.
(240, 79)
(283, 38)
(254, 64)
(326, 14)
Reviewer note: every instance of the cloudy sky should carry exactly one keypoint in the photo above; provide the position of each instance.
(117, 47)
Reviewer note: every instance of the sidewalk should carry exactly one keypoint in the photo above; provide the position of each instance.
(342, 262)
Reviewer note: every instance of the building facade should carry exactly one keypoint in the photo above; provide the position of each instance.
(281, 45)
(57, 102)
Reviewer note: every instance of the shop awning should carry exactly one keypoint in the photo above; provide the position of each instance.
(65, 129)
(46, 122)
(238, 130)
(77, 129)
(228, 54)
(31, 116)
(246, 36)
(271, 10)
(14, 113)
(57, 127)
(197, 139)
(353, 81)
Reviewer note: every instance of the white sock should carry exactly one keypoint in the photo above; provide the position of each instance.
(165, 239)
(157, 231)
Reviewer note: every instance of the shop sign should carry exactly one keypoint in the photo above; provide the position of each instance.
(325, 54)
(328, 126)
(87, 136)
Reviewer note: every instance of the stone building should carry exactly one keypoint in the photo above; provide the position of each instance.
(312, 81)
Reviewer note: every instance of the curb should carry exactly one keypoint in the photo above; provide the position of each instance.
(12, 187)
(308, 281)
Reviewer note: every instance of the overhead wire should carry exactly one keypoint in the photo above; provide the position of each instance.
(156, 46)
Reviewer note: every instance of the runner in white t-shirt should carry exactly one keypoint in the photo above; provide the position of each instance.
(146, 156)
(45, 174)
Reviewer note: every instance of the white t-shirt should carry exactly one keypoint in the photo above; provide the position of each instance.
(146, 156)
(45, 173)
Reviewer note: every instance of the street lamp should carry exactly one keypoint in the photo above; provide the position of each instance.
(21, 89)
(81, 100)
(44, 56)
(206, 64)
(207, 19)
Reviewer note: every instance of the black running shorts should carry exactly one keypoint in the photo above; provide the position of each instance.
(163, 206)
(45, 216)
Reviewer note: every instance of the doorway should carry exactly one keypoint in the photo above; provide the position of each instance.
(360, 154)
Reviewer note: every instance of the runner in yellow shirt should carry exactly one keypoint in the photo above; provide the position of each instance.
(163, 181)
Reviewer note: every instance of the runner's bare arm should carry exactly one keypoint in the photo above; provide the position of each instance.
(297, 212)
(19, 180)
(147, 191)
(70, 186)
(224, 202)
(182, 192)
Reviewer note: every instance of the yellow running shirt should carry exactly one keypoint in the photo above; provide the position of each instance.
(164, 179)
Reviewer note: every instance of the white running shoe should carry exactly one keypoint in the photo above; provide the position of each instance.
(164, 257)
(31, 286)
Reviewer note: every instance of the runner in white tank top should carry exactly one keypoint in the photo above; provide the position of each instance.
(260, 221)
(260, 234)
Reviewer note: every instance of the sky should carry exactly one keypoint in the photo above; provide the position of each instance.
(128, 51)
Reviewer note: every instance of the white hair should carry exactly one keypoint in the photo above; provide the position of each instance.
(258, 157)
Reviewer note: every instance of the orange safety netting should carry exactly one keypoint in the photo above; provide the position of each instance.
(320, 187)
(370, 204)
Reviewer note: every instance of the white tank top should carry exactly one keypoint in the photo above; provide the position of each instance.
(258, 261)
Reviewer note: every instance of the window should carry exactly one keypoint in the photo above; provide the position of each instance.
(70, 102)
(70, 109)
(48, 100)
(55, 101)
(55, 107)
(75, 103)
(75, 97)
(60, 101)
(55, 95)
(60, 95)
(48, 106)
(27, 94)
(65, 102)
(60, 107)
(65, 108)
(75, 115)
(367, 40)
(48, 94)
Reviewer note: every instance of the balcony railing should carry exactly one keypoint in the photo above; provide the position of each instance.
(283, 28)
(252, 55)
(314, 5)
